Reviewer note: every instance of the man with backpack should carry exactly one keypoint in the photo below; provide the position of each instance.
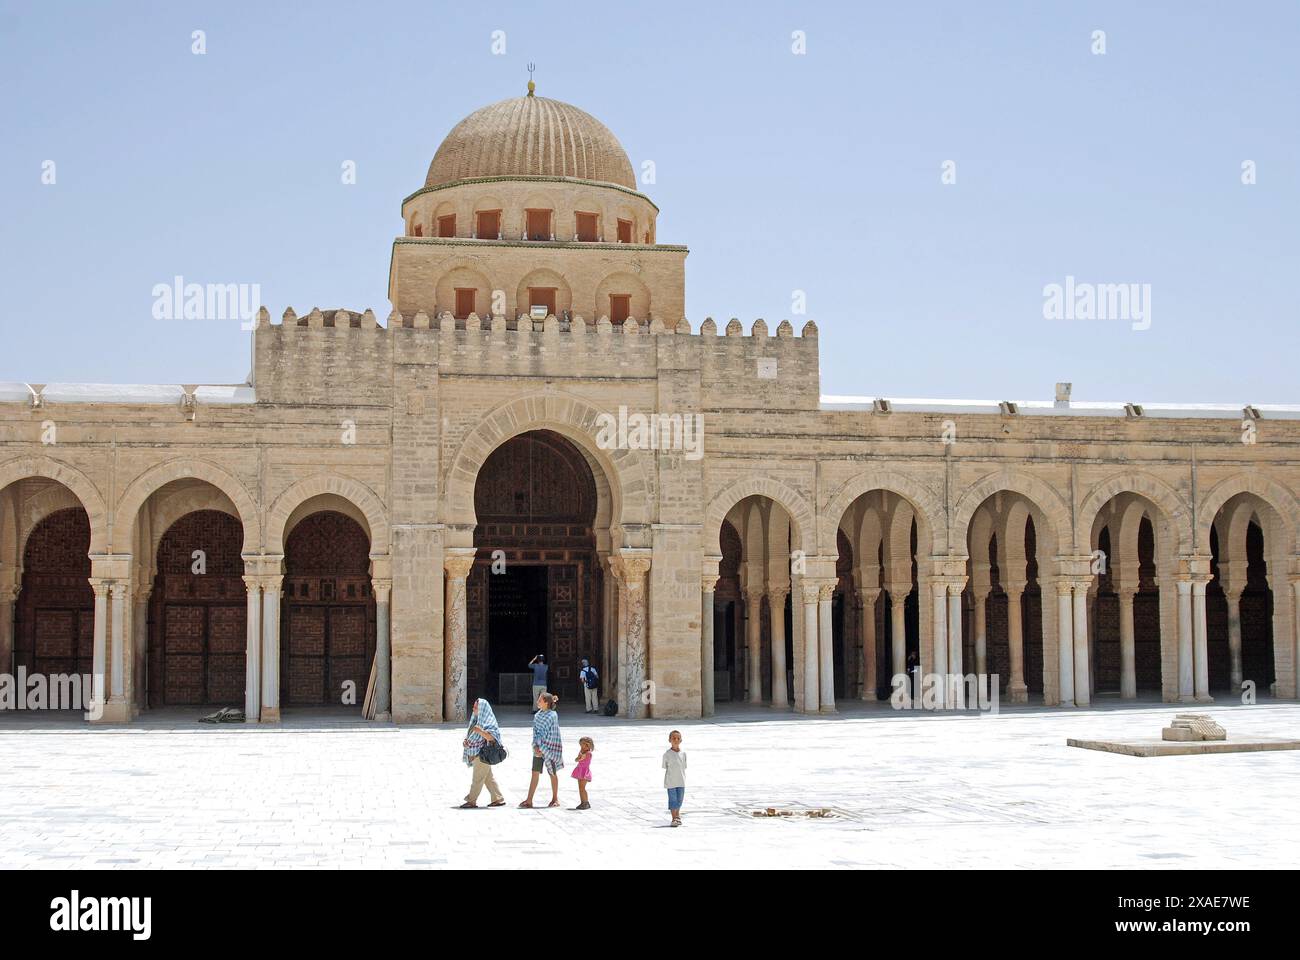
(590, 681)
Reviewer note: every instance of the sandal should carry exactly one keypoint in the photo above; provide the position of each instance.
(583, 806)
(553, 803)
(498, 803)
(468, 806)
(526, 805)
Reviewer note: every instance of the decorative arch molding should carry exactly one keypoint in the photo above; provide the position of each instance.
(927, 504)
(626, 471)
(1045, 498)
(1166, 498)
(189, 468)
(353, 491)
(49, 501)
(26, 468)
(1282, 501)
(801, 514)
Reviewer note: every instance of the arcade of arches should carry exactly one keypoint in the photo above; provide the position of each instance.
(1129, 619)
(1133, 618)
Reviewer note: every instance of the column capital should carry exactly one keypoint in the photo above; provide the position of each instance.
(709, 582)
(869, 595)
(458, 562)
(252, 583)
(382, 588)
(809, 590)
(826, 589)
(753, 595)
(899, 590)
(120, 588)
(631, 564)
(777, 592)
(1014, 588)
(101, 586)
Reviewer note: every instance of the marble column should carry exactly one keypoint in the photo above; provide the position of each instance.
(1065, 641)
(117, 691)
(776, 610)
(1234, 638)
(825, 644)
(956, 687)
(455, 638)
(633, 572)
(708, 584)
(253, 651)
(980, 626)
(898, 635)
(869, 646)
(140, 646)
(1017, 689)
(811, 686)
(1127, 645)
(100, 656)
(383, 589)
(754, 645)
(1082, 672)
(1200, 643)
(609, 629)
(939, 643)
(271, 587)
(1186, 643)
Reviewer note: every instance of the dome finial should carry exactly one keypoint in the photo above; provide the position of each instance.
(531, 86)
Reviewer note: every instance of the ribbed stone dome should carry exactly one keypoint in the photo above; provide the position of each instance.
(531, 137)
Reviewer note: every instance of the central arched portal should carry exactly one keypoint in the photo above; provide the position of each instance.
(536, 586)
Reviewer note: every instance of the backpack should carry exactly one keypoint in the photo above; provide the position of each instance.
(611, 708)
(592, 680)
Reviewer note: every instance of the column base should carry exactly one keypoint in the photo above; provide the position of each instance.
(115, 711)
(830, 709)
(384, 717)
(1204, 698)
(1018, 693)
(270, 715)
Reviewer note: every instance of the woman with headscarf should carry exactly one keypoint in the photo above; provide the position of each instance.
(548, 751)
(483, 729)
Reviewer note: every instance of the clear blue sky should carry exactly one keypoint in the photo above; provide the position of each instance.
(818, 172)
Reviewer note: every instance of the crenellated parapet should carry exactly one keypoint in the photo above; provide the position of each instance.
(346, 357)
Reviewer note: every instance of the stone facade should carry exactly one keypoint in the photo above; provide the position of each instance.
(968, 534)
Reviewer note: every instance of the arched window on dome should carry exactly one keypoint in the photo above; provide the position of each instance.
(624, 231)
(487, 224)
(447, 225)
(587, 227)
(539, 224)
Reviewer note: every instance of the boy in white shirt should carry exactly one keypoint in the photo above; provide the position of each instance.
(675, 776)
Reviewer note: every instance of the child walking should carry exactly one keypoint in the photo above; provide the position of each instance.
(582, 771)
(675, 776)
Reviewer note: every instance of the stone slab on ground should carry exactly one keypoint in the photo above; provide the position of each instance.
(1161, 747)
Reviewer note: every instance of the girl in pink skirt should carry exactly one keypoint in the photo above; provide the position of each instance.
(582, 771)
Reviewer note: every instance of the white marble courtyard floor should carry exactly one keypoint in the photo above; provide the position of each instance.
(911, 790)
